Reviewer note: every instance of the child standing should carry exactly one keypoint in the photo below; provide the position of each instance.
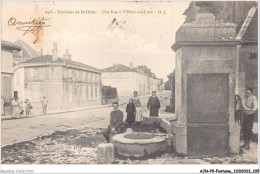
(130, 110)
(28, 106)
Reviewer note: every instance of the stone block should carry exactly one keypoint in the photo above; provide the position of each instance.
(151, 120)
(234, 138)
(129, 130)
(105, 153)
(166, 125)
(181, 144)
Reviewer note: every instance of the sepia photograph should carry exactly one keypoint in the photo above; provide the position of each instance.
(129, 83)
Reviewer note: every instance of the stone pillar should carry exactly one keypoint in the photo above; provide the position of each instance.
(205, 81)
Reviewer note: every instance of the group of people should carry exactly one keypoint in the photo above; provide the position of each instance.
(134, 114)
(18, 107)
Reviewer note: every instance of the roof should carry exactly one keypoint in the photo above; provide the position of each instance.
(247, 29)
(8, 44)
(119, 68)
(67, 62)
(28, 51)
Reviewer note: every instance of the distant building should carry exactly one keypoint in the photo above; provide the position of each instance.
(7, 73)
(129, 79)
(65, 83)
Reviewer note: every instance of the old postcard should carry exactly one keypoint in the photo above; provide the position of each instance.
(132, 82)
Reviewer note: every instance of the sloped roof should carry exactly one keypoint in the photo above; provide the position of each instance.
(123, 68)
(28, 50)
(48, 59)
(247, 30)
(8, 44)
(119, 68)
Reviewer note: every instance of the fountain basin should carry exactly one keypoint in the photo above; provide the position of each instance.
(139, 144)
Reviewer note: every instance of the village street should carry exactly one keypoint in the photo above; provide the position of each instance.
(17, 130)
(72, 138)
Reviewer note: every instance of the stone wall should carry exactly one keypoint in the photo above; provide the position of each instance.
(248, 69)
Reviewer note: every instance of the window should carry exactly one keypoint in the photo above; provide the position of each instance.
(70, 93)
(83, 94)
(31, 72)
(98, 78)
(81, 74)
(46, 73)
(86, 92)
(89, 92)
(98, 92)
(70, 73)
(77, 73)
(93, 93)
(87, 76)
(253, 58)
(84, 75)
(74, 89)
(36, 72)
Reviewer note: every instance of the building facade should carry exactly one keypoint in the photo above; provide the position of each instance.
(128, 79)
(26, 53)
(65, 83)
(7, 72)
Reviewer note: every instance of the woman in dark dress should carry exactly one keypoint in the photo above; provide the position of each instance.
(130, 110)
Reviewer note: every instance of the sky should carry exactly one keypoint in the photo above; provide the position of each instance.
(144, 38)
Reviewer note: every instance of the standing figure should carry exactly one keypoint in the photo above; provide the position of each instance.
(28, 106)
(130, 110)
(116, 120)
(2, 108)
(137, 102)
(139, 113)
(15, 108)
(136, 99)
(153, 104)
(250, 106)
(44, 105)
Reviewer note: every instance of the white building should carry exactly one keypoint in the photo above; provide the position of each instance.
(128, 79)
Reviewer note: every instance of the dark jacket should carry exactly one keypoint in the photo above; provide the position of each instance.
(153, 103)
(116, 119)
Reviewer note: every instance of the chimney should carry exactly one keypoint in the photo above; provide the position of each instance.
(41, 51)
(67, 55)
(54, 52)
(131, 64)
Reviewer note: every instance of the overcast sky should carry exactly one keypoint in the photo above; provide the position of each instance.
(144, 39)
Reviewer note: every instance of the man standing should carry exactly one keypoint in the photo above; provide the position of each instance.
(116, 120)
(44, 105)
(250, 106)
(153, 104)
